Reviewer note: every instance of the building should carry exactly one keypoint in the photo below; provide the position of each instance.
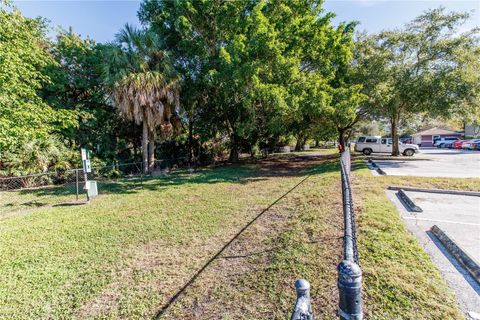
(472, 130)
(426, 138)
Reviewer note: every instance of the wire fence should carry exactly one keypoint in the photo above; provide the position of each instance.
(36, 190)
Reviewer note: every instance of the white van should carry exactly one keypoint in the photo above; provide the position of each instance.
(368, 145)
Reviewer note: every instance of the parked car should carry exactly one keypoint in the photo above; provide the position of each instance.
(441, 142)
(458, 144)
(370, 144)
(470, 144)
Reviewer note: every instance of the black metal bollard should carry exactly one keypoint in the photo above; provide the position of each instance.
(350, 289)
(303, 308)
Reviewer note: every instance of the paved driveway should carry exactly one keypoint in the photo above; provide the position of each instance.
(435, 162)
(459, 217)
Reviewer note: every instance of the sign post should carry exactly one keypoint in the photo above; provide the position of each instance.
(86, 169)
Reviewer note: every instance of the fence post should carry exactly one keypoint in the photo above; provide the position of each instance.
(76, 183)
(303, 308)
(350, 289)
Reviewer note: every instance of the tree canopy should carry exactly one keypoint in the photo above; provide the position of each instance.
(420, 68)
(231, 76)
(24, 115)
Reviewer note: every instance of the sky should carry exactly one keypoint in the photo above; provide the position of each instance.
(101, 19)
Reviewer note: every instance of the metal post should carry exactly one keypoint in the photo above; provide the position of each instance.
(303, 307)
(350, 289)
(85, 186)
(76, 182)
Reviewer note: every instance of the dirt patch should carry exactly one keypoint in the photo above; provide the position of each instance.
(290, 165)
(248, 280)
(173, 263)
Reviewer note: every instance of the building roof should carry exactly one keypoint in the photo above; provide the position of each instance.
(435, 131)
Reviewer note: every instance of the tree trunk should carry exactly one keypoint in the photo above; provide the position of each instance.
(233, 154)
(234, 150)
(394, 121)
(151, 151)
(317, 143)
(191, 152)
(299, 144)
(342, 137)
(304, 142)
(145, 147)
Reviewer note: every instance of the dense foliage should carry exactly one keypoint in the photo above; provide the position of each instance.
(230, 76)
(24, 115)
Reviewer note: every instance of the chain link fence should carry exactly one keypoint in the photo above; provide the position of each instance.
(50, 188)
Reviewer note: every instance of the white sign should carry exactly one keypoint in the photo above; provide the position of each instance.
(84, 153)
(86, 166)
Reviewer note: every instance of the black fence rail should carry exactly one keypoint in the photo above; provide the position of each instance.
(349, 271)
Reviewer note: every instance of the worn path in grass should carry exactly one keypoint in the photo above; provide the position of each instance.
(129, 252)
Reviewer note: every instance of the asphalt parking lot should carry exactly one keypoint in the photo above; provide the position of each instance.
(459, 217)
(433, 162)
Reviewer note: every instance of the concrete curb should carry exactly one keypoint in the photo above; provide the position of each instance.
(443, 191)
(400, 158)
(377, 168)
(460, 255)
(409, 202)
(381, 172)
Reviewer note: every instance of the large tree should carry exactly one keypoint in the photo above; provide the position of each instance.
(255, 70)
(24, 115)
(76, 85)
(415, 69)
(144, 86)
(221, 50)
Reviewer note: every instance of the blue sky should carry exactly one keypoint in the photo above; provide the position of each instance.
(101, 19)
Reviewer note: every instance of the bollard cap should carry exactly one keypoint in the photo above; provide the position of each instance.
(349, 273)
(349, 267)
(302, 285)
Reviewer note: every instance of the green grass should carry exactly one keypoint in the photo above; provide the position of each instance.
(400, 280)
(129, 251)
(53, 261)
(11, 201)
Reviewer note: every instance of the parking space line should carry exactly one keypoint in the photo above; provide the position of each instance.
(437, 220)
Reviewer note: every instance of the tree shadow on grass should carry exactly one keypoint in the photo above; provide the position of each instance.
(254, 171)
(56, 190)
(243, 173)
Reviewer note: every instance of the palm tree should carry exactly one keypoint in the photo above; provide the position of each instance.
(143, 85)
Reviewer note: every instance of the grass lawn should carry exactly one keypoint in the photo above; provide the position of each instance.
(12, 201)
(130, 251)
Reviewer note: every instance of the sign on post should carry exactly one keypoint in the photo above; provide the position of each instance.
(90, 186)
(86, 166)
(84, 154)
